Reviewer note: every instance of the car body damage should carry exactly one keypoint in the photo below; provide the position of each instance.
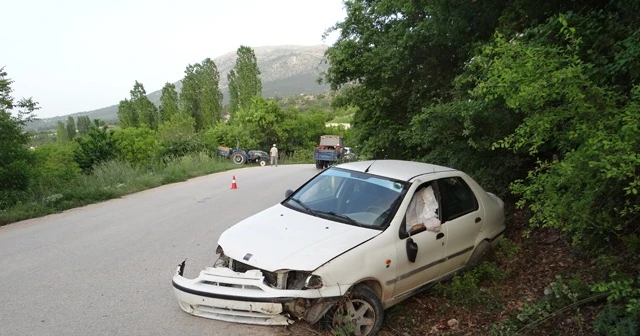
(361, 236)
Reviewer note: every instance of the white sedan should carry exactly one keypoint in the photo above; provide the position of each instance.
(354, 240)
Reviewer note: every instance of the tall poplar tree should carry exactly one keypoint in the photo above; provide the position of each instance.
(168, 102)
(210, 94)
(62, 135)
(147, 112)
(244, 80)
(71, 128)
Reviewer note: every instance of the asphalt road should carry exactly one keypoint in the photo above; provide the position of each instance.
(105, 269)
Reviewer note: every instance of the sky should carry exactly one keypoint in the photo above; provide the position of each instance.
(80, 55)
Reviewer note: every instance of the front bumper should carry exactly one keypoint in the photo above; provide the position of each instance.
(222, 294)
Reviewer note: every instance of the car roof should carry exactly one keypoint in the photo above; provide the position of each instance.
(395, 169)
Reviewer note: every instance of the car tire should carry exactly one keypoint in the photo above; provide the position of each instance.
(238, 158)
(360, 313)
(263, 163)
(479, 253)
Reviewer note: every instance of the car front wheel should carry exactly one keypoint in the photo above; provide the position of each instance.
(359, 314)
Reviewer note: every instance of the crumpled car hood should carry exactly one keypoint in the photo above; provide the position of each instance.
(280, 238)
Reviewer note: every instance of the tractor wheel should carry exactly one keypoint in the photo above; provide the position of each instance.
(238, 158)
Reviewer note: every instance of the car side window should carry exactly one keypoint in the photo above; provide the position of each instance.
(456, 197)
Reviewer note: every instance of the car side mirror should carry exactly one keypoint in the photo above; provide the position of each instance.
(288, 193)
(412, 250)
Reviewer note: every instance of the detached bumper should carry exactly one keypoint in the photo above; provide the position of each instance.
(222, 294)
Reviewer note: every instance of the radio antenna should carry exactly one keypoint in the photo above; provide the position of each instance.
(367, 170)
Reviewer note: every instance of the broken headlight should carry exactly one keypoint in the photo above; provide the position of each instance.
(313, 282)
(303, 280)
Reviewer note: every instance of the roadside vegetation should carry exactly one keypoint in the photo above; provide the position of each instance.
(87, 161)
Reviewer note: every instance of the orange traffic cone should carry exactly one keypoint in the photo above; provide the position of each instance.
(233, 183)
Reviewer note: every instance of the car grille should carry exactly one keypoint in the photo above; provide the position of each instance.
(270, 278)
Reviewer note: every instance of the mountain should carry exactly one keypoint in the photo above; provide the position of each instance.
(285, 70)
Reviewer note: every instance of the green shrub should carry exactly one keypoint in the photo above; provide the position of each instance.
(55, 165)
(138, 146)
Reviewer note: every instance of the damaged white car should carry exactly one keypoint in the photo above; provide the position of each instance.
(354, 240)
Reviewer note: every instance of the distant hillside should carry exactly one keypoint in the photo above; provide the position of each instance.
(285, 71)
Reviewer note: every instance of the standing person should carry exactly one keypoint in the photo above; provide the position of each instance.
(274, 155)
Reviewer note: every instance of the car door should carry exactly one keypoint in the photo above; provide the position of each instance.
(462, 216)
(427, 247)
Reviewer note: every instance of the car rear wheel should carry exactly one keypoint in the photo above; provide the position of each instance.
(479, 253)
(359, 314)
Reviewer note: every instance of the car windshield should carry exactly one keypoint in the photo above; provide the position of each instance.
(349, 197)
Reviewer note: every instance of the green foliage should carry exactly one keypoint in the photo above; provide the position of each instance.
(15, 159)
(229, 135)
(244, 81)
(465, 290)
(614, 320)
(71, 128)
(127, 115)
(145, 110)
(178, 136)
(138, 146)
(83, 125)
(584, 138)
(211, 96)
(168, 102)
(402, 56)
(54, 165)
(62, 135)
(98, 146)
(138, 110)
(201, 97)
(262, 119)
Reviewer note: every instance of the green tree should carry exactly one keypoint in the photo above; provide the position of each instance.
(201, 97)
(71, 128)
(138, 146)
(83, 125)
(210, 96)
(263, 120)
(54, 165)
(190, 93)
(15, 159)
(62, 135)
(178, 136)
(147, 112)
(244, 80)
(98, 146)
(127, 114)
(168, 102)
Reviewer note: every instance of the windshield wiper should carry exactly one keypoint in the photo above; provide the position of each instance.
(349, 219)
(306, 207)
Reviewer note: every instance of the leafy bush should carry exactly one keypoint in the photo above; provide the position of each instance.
(178, 136)
(55, 164)
(98, 146)
(139, 146)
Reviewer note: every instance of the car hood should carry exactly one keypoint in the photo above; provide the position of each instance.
(281, 238)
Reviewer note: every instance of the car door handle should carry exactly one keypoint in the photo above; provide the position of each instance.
(439, 235)
(478, 219)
